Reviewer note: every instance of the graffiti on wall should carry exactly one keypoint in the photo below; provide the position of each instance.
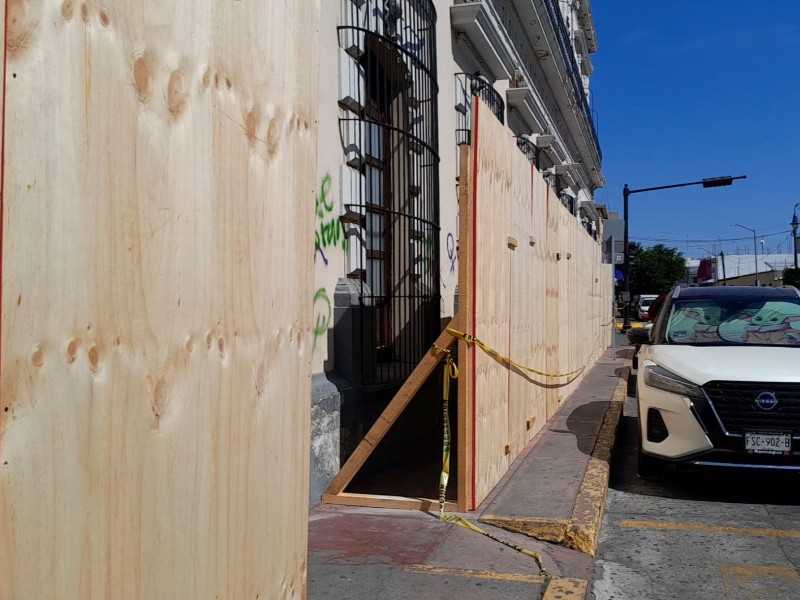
(322, 314)
(451, 252)
(330, 231)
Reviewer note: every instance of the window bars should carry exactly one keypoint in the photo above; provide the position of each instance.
(390, 137)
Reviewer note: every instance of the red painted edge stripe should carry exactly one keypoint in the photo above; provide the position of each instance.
(475, 104)
(3, 168)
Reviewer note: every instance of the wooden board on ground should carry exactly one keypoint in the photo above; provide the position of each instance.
(159, 186)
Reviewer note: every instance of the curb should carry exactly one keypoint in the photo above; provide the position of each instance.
(580, 532)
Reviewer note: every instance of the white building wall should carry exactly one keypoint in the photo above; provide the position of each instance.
(330, 257)
(448, 153)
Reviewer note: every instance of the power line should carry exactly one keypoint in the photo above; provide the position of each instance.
(715, 240)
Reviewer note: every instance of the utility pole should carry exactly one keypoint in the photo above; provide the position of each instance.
(755, 250)
(794, 232)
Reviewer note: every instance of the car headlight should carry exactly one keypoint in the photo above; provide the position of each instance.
(661, 379)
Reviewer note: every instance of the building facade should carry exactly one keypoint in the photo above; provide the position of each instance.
(397, 82)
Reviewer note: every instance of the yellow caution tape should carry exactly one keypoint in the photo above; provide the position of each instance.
(471, 339)
(451, 372)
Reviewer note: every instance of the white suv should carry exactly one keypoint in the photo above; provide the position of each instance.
(719, 379)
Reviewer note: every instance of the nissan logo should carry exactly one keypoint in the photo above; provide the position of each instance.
(767, 401)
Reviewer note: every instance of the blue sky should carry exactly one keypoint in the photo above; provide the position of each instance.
(689, 89)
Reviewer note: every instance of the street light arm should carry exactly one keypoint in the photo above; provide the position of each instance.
(704, 182)
(626, 192)
(743, 227)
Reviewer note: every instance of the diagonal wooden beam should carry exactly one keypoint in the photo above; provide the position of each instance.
(393, 410)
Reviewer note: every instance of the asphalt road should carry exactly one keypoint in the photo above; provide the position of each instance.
(696, 535)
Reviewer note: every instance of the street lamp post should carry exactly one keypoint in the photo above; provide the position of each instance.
(626, 193)
(755, 250)
(794, 232)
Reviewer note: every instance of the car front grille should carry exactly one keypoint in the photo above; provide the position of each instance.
(735, 403)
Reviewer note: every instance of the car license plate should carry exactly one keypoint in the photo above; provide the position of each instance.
(768, 443)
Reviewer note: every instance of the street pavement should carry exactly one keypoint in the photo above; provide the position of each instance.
(703, 534)
(550, 502)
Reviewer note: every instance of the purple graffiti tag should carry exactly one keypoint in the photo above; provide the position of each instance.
(317, 248)
(451, 252)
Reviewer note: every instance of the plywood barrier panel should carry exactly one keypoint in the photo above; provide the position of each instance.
(521, 326)
(553, 283)
(537, 300)
(158, 198)
(494, 184)
(540, 301)
(527, 395)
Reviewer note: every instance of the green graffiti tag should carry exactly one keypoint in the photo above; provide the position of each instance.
(330, 231)
(322, 314)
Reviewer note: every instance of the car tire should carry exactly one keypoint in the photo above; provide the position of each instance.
(648, 466)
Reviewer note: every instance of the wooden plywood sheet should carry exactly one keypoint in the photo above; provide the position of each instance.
(493, 181)
(159, 190)
(527, 394)
(553, 291)
(465, 418)
(537, 299)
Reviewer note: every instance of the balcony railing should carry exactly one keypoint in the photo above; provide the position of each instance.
(475, 85)
(509, 19)
(530, 151)
(568, 53)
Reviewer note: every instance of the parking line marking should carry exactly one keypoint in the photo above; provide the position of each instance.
(517, 577)
(767, 581)
(781, 533)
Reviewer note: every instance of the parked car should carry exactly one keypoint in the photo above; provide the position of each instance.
(643, 305)
(719, 379)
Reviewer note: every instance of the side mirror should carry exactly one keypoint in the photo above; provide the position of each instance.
(638, 337)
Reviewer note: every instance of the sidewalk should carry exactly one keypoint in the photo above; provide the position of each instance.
(550, 502)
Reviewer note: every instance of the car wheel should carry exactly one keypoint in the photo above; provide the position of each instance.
(649, 466)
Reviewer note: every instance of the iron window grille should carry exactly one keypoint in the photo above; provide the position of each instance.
(390, 136)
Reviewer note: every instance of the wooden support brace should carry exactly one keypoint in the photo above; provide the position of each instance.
(390, 414)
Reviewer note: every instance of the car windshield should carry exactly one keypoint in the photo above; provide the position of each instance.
(735, 320)
(647, 301)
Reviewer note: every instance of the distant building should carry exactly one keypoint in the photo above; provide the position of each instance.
(738, 269)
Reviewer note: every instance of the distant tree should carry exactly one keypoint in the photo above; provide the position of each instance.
(791, 277)
(657, 270)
